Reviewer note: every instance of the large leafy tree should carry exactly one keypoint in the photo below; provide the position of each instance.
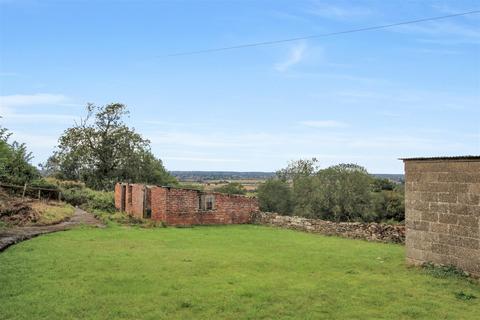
(344, 193)
(101, 150)
(340, 193)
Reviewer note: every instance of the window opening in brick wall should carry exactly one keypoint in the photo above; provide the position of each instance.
(207, 202)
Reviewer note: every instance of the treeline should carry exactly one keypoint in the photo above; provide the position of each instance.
(345, 192)
(199, 176)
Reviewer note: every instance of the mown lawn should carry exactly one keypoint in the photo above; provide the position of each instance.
(227, 272)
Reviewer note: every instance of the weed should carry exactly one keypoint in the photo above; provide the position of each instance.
(448, 271)
(464, 296)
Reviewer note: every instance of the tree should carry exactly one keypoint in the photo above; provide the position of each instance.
(344, 193)
(102, 149)
(275, 195)
(379, 184)
(15, 160)
(232, 188)
(298, 169)
(301, 173)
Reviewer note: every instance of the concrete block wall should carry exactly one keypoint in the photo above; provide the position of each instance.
(442, 208)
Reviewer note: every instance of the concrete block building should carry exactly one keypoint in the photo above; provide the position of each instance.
(442, 211)
(177, 206)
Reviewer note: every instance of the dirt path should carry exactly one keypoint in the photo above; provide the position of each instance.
(17, 234)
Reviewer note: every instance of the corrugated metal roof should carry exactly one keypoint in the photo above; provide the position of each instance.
(470, 157)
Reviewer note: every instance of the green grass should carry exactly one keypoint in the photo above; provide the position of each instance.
(227, 272)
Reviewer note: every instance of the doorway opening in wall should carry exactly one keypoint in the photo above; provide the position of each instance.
(147, 206)
(207, 202)
(130, 195)
(123, 198)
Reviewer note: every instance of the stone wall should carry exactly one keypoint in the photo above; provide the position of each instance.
(355, 230)
(442, 208)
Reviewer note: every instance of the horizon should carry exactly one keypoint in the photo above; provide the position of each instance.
(368, 98)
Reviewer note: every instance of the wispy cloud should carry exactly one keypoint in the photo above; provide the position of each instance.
(295, 56)
(38, 99)
(9, 74)
(335, 11)
(324, 124)
(35, 117)
(442, 31)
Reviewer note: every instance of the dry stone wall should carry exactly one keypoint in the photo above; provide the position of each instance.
(355, 230)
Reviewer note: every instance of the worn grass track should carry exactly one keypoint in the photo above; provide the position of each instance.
(227, 272)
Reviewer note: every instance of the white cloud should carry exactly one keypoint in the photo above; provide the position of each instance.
(38, 99)
(296, 55)
(331, 11)
(35, 117)
(443, 31)
(324, 124)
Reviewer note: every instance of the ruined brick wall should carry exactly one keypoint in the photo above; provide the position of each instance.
(158, 203)
(134, 203)
(118, 196)
(183, 208)
(442, 203)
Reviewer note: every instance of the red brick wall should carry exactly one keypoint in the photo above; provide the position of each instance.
(159, 203)
(118, 196)
(176, 206)
(183, 208)
(134, 205)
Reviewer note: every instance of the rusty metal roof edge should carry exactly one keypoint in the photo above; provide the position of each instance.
(440, 158)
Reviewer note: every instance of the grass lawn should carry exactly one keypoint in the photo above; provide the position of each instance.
(226, 272)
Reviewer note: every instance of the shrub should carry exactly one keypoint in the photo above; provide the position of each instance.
(78, 195)
(389, 205)
(232, 188)
(275, 195)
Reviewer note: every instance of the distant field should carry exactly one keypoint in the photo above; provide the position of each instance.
(249, 184)
(201, 176)
(222, 272)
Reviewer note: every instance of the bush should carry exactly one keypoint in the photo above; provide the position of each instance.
(275, 196)
(344, 193)
(78, 195)
(389, 205)
(232, 188)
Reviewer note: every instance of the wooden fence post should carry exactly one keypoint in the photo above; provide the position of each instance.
(24, 190)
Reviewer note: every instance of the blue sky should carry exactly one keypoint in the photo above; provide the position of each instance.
(367, 98)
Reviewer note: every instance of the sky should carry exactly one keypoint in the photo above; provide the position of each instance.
(367, 98)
